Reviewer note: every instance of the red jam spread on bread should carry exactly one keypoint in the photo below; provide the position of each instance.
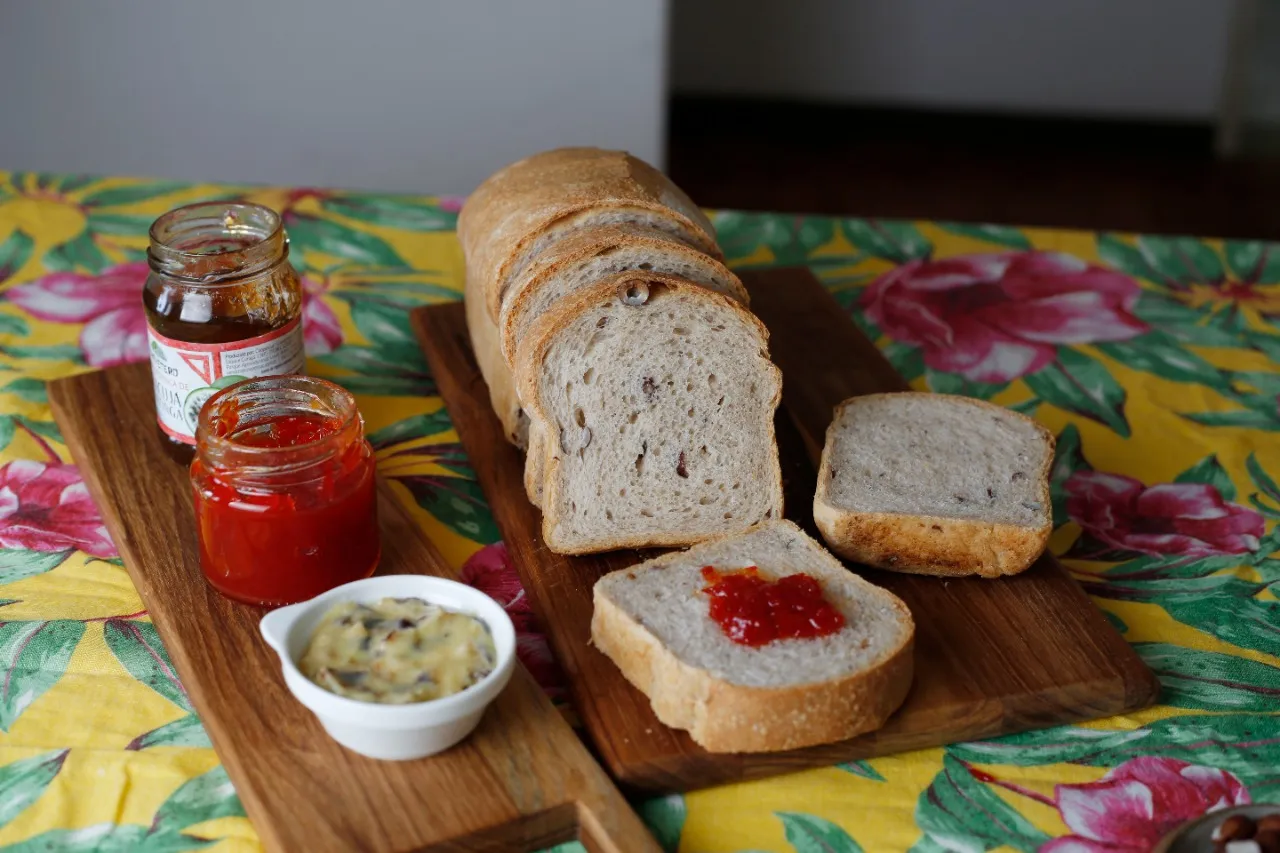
(753, 611)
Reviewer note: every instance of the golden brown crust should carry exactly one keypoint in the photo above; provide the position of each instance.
(493, 367)
(507, 213)
(583, 245)
(529, 358)
(929, 545)
(724, 717)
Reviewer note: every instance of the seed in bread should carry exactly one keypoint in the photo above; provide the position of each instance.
(935, 484)
(653, 621)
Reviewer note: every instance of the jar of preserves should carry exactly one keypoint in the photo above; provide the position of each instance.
(222, 304)
(283, 480)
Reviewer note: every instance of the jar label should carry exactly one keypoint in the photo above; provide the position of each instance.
(187, 374)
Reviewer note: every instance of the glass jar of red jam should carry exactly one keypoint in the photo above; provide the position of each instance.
(283, 480)
(222, 304)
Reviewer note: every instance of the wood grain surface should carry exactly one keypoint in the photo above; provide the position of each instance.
(992, 656)
(522, 781)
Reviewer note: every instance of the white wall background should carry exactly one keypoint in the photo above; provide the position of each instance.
(427, 96)
(431, 96)
(1136, 58)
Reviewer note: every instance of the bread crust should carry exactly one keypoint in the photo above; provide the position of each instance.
(508, 212)
(722, 716)
(931, 545)
(533, 350)
(493, 367)
(584, 245)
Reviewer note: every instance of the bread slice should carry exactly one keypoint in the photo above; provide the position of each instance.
(589, 255)
(585, 258)
(656, 397)
(935, 484)
(652, 620)
(522, 209)
(493, 367)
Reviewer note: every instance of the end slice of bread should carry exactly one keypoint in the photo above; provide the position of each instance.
(935, 484)
(656, 399)
(653, 621)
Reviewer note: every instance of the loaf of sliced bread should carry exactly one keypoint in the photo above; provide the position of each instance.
(935, 484)
(589, 255)
(656, 399)
(653, 621)
(526, 207)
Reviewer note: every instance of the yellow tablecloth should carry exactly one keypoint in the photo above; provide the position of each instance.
(1150, 358)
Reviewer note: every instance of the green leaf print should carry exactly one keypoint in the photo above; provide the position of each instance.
(1080, 384)
(907, 359)
(954, 383)
(1261, 478)
(131, 194)
(1002, 235)
(201, 799)
(309, 233)
(418, 426)
(403, 212)
(808, 833)
(120, 224)
(1182, 322)
(387, 386)
(1241, 418)
(25, 780)
(1210, 472)
(457, 503)
(31, 390)
(1247, 744)
(789, 239)
(894, 241)
(861, 768)
(10, 325)
(19, 564)
(33, 656)
(1182, 259)
(53, 352)
(384, 326)
(961, 813)
(14, 252)
(1253, 261)
(185, 731)
(1211, 681)
(138, 648)
(1122, 257)
(80, 253)
(1068, 458)
(99, 838)
(1241, 620)
(1160, 354)
(665, 818)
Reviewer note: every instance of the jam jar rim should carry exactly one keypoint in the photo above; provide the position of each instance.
(290, 459)
(233, 276)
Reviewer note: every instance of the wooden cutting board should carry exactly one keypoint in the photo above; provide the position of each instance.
(992, 657)
(522, 781)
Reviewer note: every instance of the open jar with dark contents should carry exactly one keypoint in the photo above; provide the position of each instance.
(283, 480)
(222, 304)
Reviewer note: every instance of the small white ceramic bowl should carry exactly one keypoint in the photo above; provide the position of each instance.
(393, 732)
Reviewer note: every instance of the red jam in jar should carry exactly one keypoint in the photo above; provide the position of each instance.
(752, 610)
(284, 490)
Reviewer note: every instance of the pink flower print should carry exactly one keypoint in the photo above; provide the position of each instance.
(1136, 804)
(44, 506)
(109, 304)
(994, 318)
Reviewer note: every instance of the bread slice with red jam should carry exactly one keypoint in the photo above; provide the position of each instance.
(697, 633)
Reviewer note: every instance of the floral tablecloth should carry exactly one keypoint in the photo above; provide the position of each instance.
(1151, 358)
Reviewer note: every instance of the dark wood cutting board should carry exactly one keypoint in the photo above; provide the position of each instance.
(992, 657)
(522, 781)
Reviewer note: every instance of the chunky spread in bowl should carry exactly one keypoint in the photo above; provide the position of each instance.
(753, 610)
(397, 650)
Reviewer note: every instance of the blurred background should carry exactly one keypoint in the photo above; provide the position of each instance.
(1154, 115)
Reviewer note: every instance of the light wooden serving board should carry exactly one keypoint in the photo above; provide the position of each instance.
(992, 657)
(522, 781)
